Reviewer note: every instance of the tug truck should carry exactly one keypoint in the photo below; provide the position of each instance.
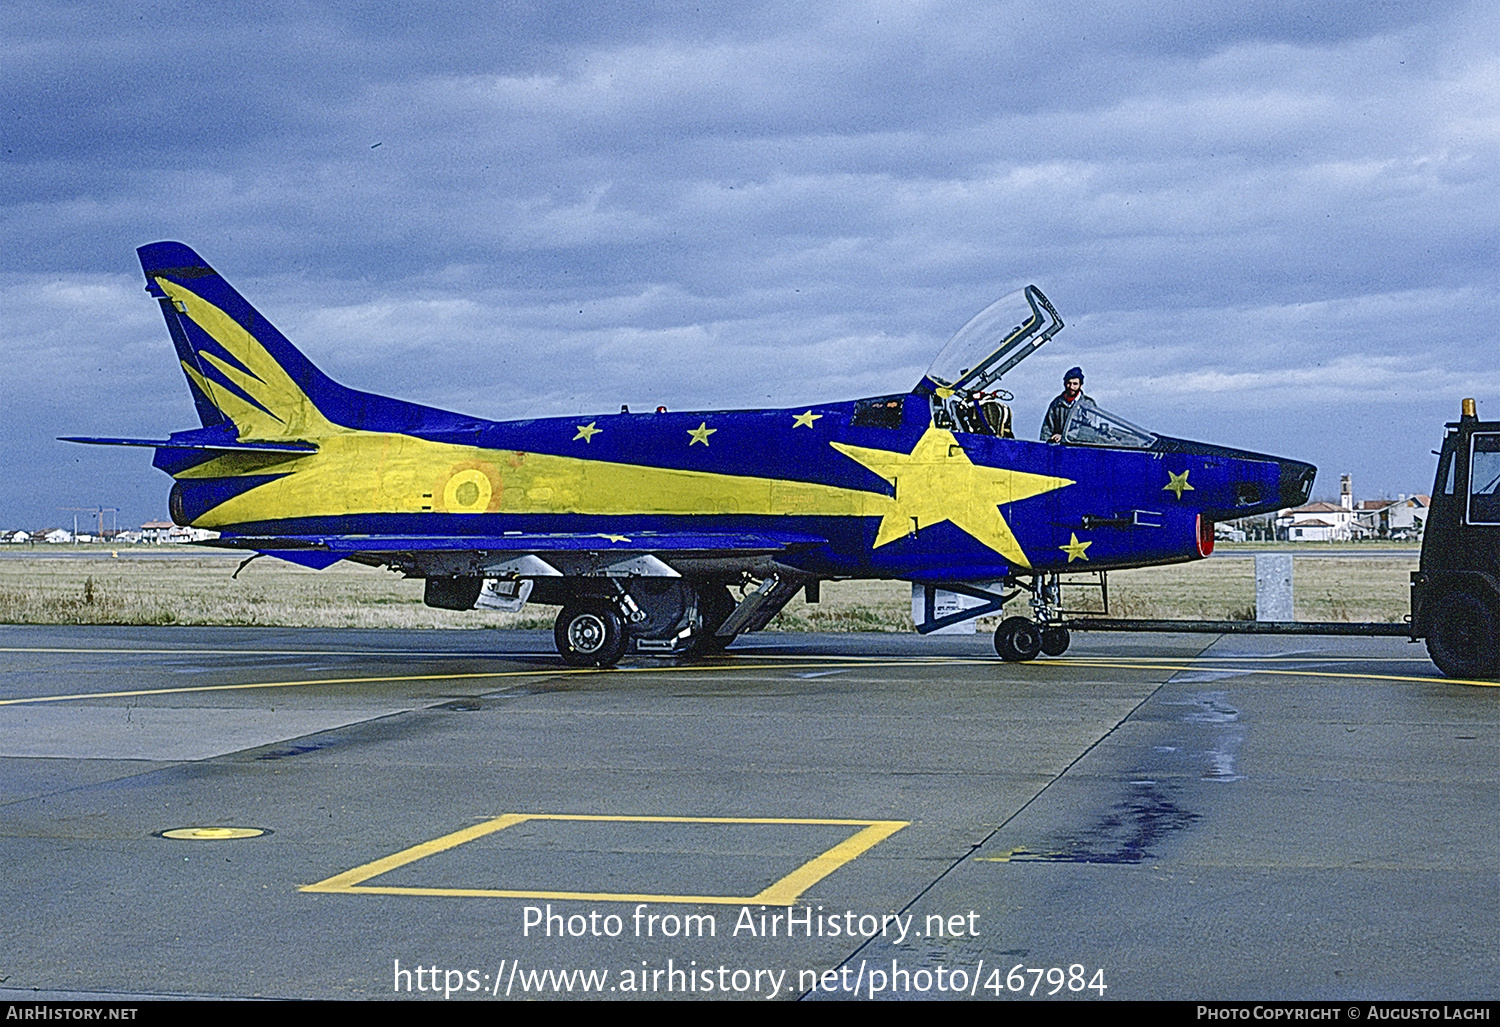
(1455, 593)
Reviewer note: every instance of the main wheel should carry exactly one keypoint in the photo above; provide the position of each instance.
(1462, 635)
(1018, 639)
(715, 604)
(590, 635)
(1055, 640)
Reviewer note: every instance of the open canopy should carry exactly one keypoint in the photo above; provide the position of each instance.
(997, 338)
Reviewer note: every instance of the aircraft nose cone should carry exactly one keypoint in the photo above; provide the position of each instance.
(1296, 482)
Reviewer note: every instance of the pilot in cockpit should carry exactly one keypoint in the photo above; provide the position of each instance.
(1057, 413)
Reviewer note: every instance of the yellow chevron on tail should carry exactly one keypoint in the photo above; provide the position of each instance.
(281, 410)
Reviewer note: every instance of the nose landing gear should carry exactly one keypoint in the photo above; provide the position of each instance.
(1018, 639)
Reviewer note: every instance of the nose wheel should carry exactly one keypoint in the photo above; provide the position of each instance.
(1018, 639)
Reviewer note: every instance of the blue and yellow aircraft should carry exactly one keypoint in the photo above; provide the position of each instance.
(639, 525)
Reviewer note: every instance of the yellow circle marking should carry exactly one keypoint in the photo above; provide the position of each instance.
(212, 834)
(468, 491)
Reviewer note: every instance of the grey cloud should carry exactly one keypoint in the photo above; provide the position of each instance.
(759, 203)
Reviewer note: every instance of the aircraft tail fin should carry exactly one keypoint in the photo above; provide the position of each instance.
(239, 368)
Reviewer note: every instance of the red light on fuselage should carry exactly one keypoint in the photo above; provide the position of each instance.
(1205, 536)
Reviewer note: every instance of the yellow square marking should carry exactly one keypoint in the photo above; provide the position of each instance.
(780, 893)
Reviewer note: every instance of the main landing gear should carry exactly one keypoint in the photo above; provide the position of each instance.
(660, 615)
(590, 634)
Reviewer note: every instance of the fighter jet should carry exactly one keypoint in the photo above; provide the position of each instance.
(676, 532)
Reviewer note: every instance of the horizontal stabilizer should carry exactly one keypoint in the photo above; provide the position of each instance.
(220, 447)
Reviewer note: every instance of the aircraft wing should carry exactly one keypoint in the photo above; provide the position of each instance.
(529, 555)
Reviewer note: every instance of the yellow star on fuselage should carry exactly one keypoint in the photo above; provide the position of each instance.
(938, 482)
(1178, 484)
(1076, 549)
(586, 432)
(700, 434)
(615, 538)
(804, 420)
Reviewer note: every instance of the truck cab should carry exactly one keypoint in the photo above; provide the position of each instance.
(1455, 595)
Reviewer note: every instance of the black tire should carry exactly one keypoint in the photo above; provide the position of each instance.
(1462, 635)
(590, 635)
(1055, 640)
(715, 604)
(1018, 639)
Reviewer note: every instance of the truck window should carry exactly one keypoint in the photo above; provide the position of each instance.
(1484, 480)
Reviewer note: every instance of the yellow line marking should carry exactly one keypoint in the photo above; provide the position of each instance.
(1436, 679)
(1139, 663)
(785, 891)
(471, 675)
(1005, 858)
(779, 893)
(350, 878)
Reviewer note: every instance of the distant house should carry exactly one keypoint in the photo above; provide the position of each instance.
(1393, 518)
(1409, 515)
(1313, 529)
(179, 534)
(57, 536)
(157, 531)
(1317, 522)
(17, 536)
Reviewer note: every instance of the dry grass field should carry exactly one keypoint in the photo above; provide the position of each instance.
(147, 586)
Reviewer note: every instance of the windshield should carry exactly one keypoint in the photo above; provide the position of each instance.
(998, 338)
(1090, 426)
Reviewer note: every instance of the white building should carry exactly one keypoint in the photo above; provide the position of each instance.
(1317, 522)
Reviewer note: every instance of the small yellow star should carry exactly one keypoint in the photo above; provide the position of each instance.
(615, 538)
(1178, 484)
(586, 432)
(805, 420)
(701, 433)
(1074, 548)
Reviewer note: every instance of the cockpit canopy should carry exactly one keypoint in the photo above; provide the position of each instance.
(997, 339)
(1087, 425)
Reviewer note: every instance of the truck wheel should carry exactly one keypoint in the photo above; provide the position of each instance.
(1055, 641)
(1018, 639)
(1462, 638)
(590, 635)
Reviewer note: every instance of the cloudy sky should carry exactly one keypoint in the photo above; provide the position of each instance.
(1267, 224)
